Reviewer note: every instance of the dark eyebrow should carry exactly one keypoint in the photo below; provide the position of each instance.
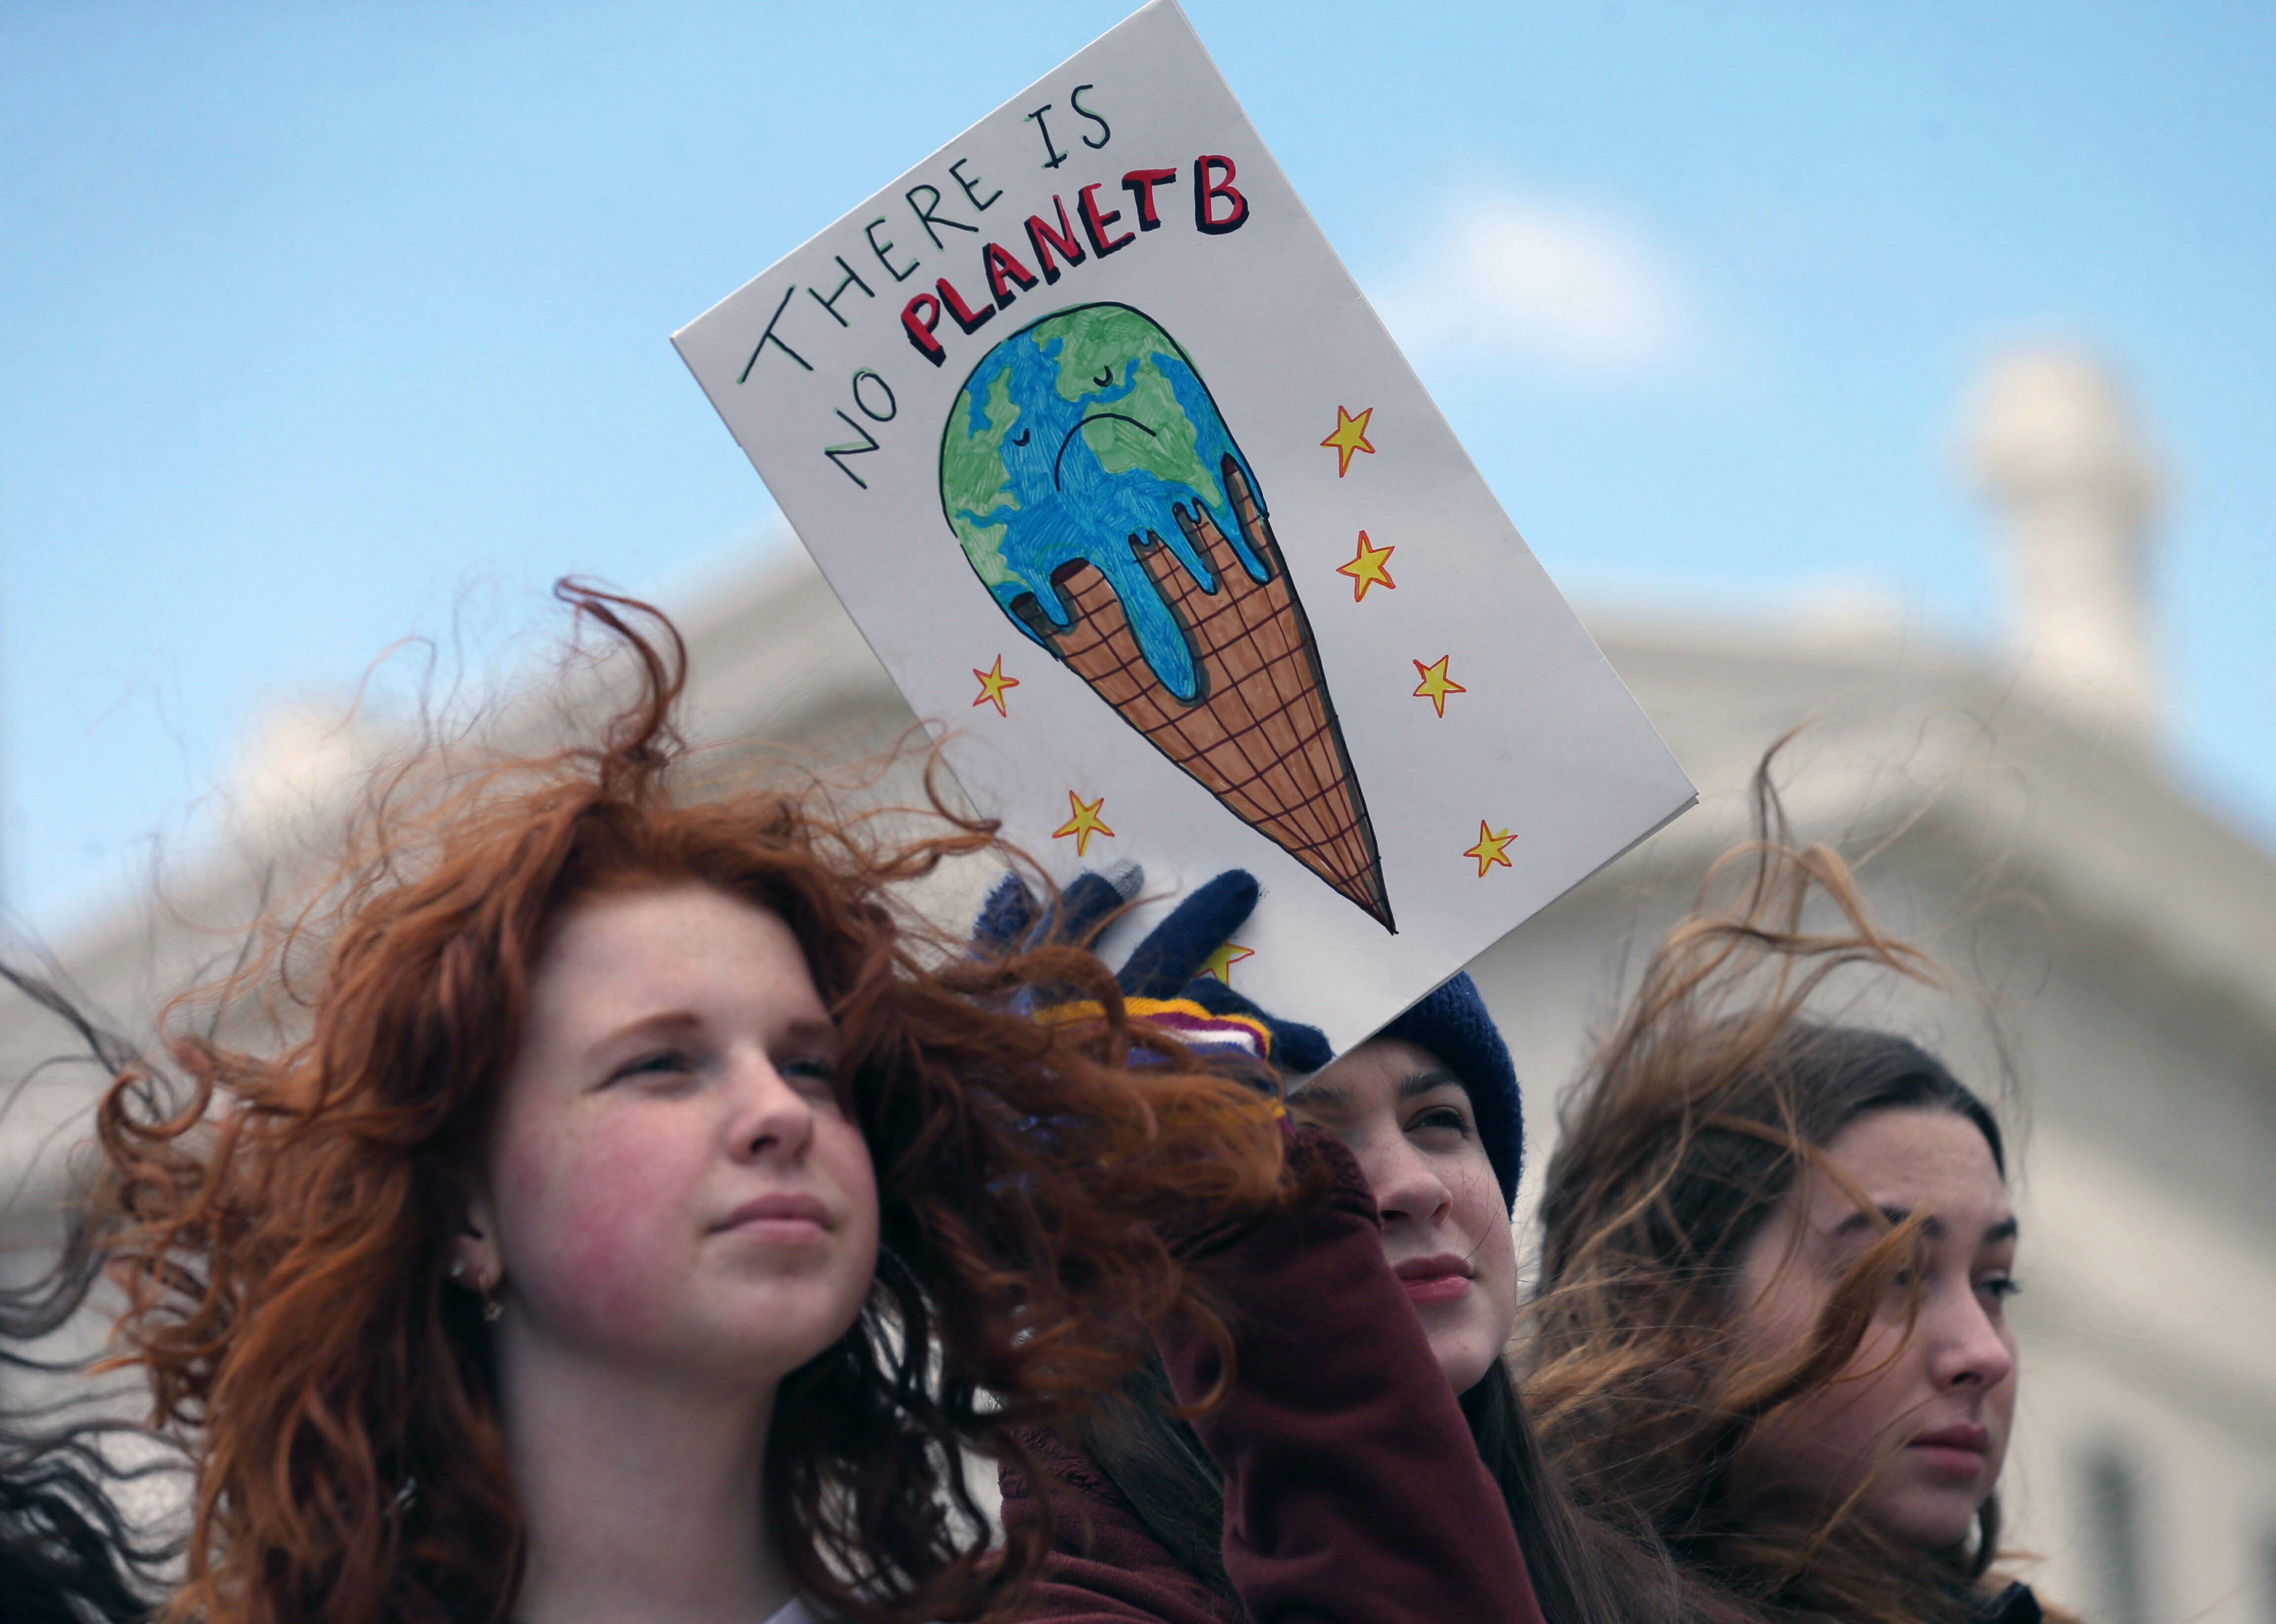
(1327, 1095)
(1932, 1226)
(1430, 1082)
(1319, 1095)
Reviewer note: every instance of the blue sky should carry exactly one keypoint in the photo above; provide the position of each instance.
(325, 324)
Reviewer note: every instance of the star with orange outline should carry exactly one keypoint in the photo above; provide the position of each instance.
(1367, 568)
(1488, 850)
(1350, 436)
(1085, 824)
(992, 684)
(1220, 963)
(1436, 683)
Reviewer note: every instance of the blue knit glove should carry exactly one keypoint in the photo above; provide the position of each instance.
(1013, 920)
(1168, 967)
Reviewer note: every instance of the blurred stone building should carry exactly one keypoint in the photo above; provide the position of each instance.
(2121, 942)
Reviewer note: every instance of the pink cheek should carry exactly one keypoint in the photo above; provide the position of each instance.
(600, 1237)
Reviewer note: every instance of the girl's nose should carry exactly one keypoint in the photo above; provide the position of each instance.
(1406, 1188)
(1969, 1351)
(769, 1115)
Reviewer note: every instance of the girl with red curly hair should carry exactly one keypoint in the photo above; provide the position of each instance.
(635, 1214)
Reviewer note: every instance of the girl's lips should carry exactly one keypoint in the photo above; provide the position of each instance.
(1962, 1435)
(1443, 1278)
(1944, 1458)
(785, 1220)
(1956, 1451)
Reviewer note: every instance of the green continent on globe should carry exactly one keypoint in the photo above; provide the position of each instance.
(972, 477)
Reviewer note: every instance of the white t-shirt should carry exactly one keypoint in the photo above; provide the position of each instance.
(796, 1612)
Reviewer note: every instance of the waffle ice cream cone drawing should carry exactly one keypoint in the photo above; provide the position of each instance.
(1099, 496)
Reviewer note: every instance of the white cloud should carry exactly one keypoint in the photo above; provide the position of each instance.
(1555, 282)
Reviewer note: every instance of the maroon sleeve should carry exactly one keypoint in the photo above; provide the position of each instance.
(1105, 1566)
(1354, 1490)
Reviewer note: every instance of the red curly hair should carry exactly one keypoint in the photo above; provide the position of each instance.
(286, 1217)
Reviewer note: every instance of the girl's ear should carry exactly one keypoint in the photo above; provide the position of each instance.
(476, 1262)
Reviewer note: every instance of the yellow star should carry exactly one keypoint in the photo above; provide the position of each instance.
(1085, 824)
(1436, 683)
(1488, 850)
(1220, 963)
(1367, 568)
(992, 684)
(1350, 435)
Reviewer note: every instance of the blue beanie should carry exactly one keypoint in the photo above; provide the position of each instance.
(1453, 1025)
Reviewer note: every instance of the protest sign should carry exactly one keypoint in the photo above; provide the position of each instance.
(1143, 510)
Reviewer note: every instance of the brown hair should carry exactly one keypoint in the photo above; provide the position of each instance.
(287, 1216)
(74, 1473)
(1700, 1110)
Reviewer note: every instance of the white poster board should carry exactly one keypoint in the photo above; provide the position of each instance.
(1126, 485)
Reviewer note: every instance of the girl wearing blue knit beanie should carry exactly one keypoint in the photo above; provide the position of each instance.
(1368, 1459)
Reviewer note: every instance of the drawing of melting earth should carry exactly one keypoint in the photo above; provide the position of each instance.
(1099, 494)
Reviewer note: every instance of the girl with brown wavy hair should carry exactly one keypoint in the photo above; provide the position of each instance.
(1770, 1341)
(70, 1553)
(637, 1213)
